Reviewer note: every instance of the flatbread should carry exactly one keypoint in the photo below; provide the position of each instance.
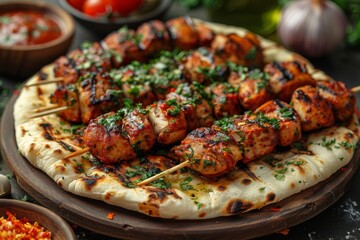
(45, 141)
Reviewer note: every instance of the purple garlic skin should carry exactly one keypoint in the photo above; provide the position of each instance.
(312, 28)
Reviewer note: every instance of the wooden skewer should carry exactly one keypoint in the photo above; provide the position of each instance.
(77, 153)
(168, 171)
(55, 80)
(355, 89)
(42, 109)
(51, 111)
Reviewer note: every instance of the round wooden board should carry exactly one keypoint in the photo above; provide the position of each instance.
(91, 214)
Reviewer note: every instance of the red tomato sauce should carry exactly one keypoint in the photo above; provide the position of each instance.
(21, 28)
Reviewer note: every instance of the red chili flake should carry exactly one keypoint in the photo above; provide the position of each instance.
(284, 231)
(275, 209)
(343, 169)
(110, 215)
(16, 92)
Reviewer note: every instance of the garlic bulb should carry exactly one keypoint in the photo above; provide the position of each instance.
(5, 187)
(312, 27)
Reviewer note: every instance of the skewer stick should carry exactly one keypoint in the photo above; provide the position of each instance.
(77, 153)
(42, 109)
(55, 80)
(51, 111)
(355, 89)
(168, 171)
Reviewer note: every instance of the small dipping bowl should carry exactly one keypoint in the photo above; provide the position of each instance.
(25, 60)
(58, 227)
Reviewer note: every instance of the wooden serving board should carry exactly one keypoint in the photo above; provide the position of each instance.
(91, 214)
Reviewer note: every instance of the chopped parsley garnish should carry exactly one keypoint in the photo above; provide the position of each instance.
(326, 143)
(280, 174)
(287, 113)
(208, 163)
(225, 124)
(261, 119)
(345, 145)
(184, 185)
(144, 173)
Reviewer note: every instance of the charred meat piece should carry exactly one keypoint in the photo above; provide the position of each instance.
(183, 33)
(256, 135)
(210, 152)
(138, 130)
(253, 85)
(106, 140)
(285, 77)
(91, 58)
(67, 95)
(194, 103)
(225, 101)
(203, 66)
(244, 50)
(341, 99)
(205, 34)
(314, 111)
(290, 123)
(123, 46)
(168, 121)
(97, 95)
(154, 37)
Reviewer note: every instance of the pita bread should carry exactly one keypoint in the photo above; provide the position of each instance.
(46, 141)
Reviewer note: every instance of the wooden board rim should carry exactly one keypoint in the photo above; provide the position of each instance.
(91, 214)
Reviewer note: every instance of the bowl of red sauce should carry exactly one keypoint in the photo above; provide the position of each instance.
(32, 34)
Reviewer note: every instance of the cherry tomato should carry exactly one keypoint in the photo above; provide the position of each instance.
(78, 4)
(117, 7)
(124, 7)
(95, 7)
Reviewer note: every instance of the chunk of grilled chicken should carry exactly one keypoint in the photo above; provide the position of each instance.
(154, 37)
(314, 111)
(104, 136)
(194, 103)
(287, 76)
(243, 50)
(123, 46)
(254, 134)
(97, 95)
(341, 99)
(203, 66)
(183, 32)
(138, 130)
(67, 95)
(205, 34)
(289, 120)
(254, 89)
(168, 121)
(76, 63)
(113, 137)
(210, 152)
(225, 101)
